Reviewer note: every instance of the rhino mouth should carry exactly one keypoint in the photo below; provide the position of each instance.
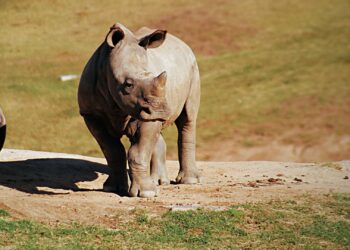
(147, 114)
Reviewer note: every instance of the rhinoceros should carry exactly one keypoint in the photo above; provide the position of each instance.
(2, 129)
(141, 82)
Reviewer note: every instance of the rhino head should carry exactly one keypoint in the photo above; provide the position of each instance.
(136, 90)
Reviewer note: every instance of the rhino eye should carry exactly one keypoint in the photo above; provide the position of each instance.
(128, 84)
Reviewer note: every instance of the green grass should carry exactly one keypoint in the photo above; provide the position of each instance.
(305, 223)
(337, 232)
(267, 68)
(4, 213)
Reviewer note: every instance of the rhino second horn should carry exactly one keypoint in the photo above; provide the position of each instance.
(161, 79)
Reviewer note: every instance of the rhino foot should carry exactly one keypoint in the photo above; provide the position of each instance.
(112, 185)
(145, 188)
(164, 181)
(188, 178)
(160, 180)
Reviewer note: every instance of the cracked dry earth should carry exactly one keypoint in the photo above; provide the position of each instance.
(55, 187)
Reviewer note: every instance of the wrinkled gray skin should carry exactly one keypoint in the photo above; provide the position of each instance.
(158, 169)
(2, 129)
(137, 84)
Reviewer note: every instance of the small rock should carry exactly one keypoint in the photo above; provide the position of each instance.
(346, 177)
(64, 78)
(279, 175)
(274, 180)
(216, 208)
(184, 208)
(297, 179)
(252, 184)
(196, 207)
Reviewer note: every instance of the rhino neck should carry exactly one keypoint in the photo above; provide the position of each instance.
(104, 99)
(105, 102)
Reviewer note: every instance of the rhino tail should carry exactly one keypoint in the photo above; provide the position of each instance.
(2, 136)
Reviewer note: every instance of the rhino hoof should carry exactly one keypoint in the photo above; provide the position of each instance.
(164, 181)
(148, 194)
(183, 179)
(161, 180)
(143, 194)
(144, 189)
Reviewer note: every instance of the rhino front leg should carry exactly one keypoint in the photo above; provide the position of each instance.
(114, 153)
(139, 159)
(159, 171)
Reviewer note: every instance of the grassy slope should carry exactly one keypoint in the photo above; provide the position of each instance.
(295, 74)
(266, 67)
(309, 223)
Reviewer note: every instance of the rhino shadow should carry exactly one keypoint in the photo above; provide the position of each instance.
(54, 173)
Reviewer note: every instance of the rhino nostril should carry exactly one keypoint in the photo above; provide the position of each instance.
(147, 110)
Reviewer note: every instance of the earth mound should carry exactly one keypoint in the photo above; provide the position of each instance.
(56, 187)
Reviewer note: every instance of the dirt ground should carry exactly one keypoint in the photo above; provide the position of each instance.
(63, 188)
(328, 147)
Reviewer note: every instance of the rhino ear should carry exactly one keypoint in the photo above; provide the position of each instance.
(153, 40)
(115, 35)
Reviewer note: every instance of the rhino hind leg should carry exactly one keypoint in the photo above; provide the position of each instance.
(114, 153)
(159, 171)
(186, 126)
(188, 173)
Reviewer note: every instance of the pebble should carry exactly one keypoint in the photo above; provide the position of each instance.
(175, 208)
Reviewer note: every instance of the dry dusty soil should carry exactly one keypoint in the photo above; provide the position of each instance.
(54, 187)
